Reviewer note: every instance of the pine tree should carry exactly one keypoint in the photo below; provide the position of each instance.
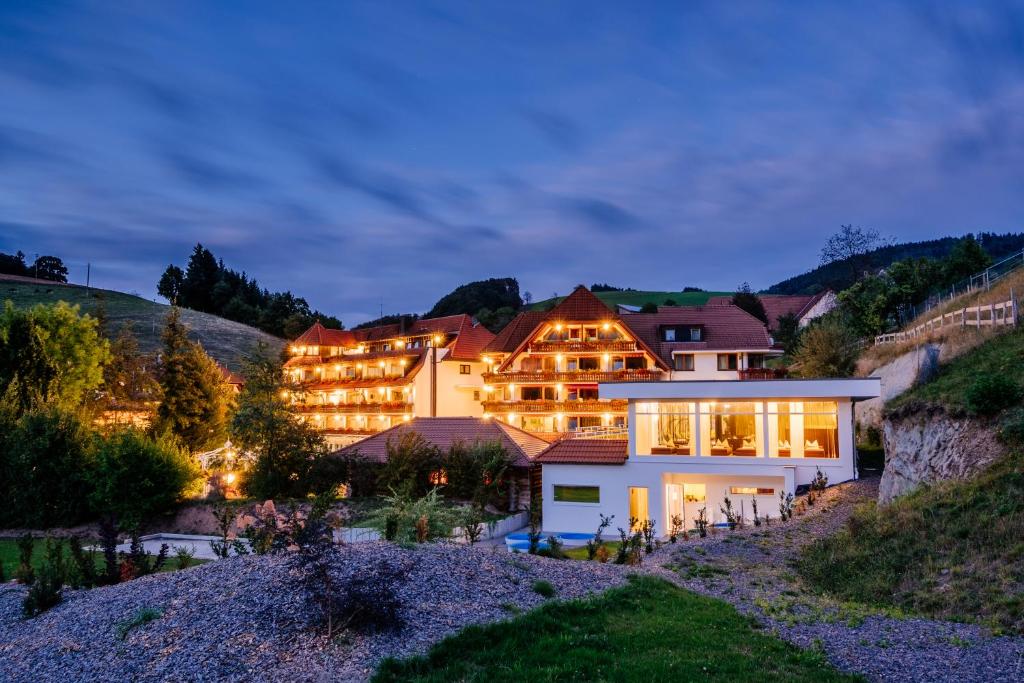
(194, 399)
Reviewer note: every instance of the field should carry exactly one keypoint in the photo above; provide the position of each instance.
(648, 630)
(636, 298)
(224, 340)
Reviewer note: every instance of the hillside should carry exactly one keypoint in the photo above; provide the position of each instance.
(836, 276)
(638, 298)
(226, 341)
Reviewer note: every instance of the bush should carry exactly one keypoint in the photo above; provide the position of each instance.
(45, 463)
(544, 589)
(1011, 428)
(406, 520)
(990, 394)
(478, 473)
(46, 590)
(136, 476)
(411, 460)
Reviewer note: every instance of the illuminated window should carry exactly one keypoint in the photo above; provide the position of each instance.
(750, 491)
(731, 429)
(438, 477)
(464, 369)
(665, 428)
(803, 429)
(577, 494)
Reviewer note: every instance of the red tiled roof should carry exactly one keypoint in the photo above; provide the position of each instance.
(472, 339)
(777, 305)
(318, 335)
(585, 452)
(444, 432)
(581, 305)
(513, 334)
(725, 328)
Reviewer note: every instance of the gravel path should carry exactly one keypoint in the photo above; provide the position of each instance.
(244, 619)
(751, 569)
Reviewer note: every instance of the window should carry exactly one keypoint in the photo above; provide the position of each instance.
(438, 477)
(750, 491)
(683, 362)
(532, 393)
(755, 360)
(532, 423)
(590, 333)
(548, 364)
(695, 334)
(590, 364)
(638, 508)
(731, 429)
(581, 422)
(476, 395)
(727, 361)
(670, 334)
(636, 363)
(618, 362)
(665, 428)
(464, 369)
(574, 334)
(803, 429)
(577, 494)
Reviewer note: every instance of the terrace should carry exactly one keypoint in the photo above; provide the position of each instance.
(572, 377)
(355, 408)
(576, 345)
(546, 406)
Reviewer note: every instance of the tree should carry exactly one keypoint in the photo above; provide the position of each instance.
(469, 298)
(194, 400)
(411, 461)
(746, 299)
(967, 258)
(201, 276)
(13, 264)
(283, 450)
(170, 284)
(649, 307)
(495, 321)
(50, 268)
(828, 348)
(527, 298)
(136, 476)
(49, 354)
(128, 379)
(787, 332)
(852, 247)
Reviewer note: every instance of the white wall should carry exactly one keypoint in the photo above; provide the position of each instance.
(454, 390)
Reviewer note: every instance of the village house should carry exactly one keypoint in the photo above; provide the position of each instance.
(691, 444)
(354, 383)
(543, 369)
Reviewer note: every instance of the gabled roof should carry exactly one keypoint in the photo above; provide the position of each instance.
(470, 342)
(777, 305)
(725, 328)
(444, 432)
(581, 305)
(318, 335)
(477, 336)
(513, 334)
(586, 452)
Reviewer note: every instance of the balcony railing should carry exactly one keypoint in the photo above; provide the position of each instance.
(356, 408)
(578, 346)
(617, 405)
(572, 377)
(763, 373)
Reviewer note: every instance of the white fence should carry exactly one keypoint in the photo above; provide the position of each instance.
(1001, 313)
(500, 528)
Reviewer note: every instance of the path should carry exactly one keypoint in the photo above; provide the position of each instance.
(752, 569)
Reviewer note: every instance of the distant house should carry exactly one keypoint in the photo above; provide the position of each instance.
(692, 444)
(806, 307)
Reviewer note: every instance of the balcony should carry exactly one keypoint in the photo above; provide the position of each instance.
(763, 373)
(395, 407)
(617, 405)
(574, 377)
(578, 346)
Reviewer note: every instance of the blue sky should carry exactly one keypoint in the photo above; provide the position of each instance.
(354, 152)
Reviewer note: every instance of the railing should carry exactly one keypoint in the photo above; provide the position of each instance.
(577, 346)
(574, 377)
(763, 373)
(600, 433)
(617, 405)
(1001, 313)
(355, 408)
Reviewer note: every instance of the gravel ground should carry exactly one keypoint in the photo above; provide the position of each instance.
(244, 619)
(750, 568)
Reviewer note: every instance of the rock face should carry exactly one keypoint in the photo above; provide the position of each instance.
(929, 446)
(896, 377)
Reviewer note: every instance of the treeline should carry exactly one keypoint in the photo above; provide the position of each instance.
(207, 285)
(838, 275)
(44, 267)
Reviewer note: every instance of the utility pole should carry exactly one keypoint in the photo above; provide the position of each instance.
(37, 266)
(88, 272)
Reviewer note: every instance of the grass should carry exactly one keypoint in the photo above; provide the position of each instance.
(9, 556)
(954, 550)
(544, 589)
(999, 355)
(612, 299)
(141, 617)
(648, 630)
(226, 341)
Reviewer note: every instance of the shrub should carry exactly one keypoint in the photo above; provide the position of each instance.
(701, 522)
(141, 617)
(183, 557)
(24, 573)
(410, 461)
(648, 529)
(544, 589)
(46, 589)
(554, 550)
(731, 516)
(991, 393)
(136, 476)
(407, 520)
(596, 543)
(84, 574)
(478, 472)
(139, 562)
(45, 463)
(533, 536)
(753, 505)
(471, 517)
(785, 505)
(1011, 428)
(676, 530)
(828, 348)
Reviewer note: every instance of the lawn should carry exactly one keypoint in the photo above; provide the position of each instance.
(636, 298)
(9, 556)
(226, 341)
(649, 630)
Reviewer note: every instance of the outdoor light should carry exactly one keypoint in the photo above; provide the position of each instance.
(406, 418)
(403, 362)
(558, 358)
(606, 357)
(229, 478)
(512, 386)
(606, 327)
(437, 339)
(559, 416)
(558, 327)
(511, 418)
(284, 393)
(337, 367)
(359, 366)
(381, 364)
(487, 416)
(488, 388)
(400, 343)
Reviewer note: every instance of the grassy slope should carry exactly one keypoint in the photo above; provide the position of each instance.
(641, 298)
(225, 340)
(649, 630)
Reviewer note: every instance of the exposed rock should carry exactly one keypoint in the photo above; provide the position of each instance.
(927, 446)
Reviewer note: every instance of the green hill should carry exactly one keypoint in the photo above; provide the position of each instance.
(226, 341)
(638, 298)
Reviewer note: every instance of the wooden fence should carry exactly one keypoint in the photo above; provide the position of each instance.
(1001, 313)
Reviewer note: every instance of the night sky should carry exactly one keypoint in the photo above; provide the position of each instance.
(356, 151)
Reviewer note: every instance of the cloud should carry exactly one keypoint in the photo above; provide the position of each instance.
(599, 213)
(560, 131)
(385, 188)
(204, 174)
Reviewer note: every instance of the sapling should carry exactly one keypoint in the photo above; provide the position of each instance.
(676, 528)
(648, 529)
(598, 542)
(701, 522)
(731, 517)
(753, 505)
(24, 573)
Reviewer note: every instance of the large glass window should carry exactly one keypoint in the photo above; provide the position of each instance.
(666, 428)
(727, 361)
(731, 429)
(803, 429)
(577, 494)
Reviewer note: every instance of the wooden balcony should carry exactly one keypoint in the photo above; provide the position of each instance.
(617, 405)
(578, 346)
(576, 377)
(763, 373)
(386, 407)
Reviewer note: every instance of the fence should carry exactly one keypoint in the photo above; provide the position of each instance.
(984, 315)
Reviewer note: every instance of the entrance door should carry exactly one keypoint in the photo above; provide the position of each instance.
(676, 505)
(638, 505)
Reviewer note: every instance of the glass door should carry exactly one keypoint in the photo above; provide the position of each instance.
(638, 505)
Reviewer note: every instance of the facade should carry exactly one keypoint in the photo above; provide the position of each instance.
(692, 444)
(804, 307)
(354, 383)
(544, 368)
